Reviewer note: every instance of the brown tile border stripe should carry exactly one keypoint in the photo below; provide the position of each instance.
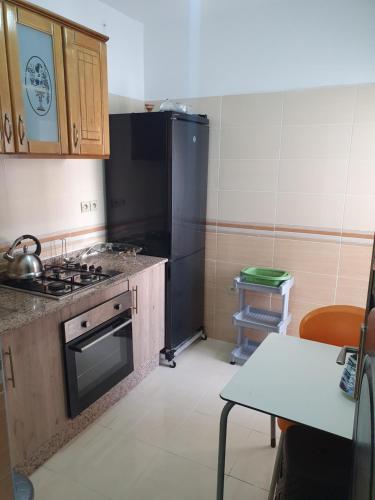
(59, 236)
(292, 229)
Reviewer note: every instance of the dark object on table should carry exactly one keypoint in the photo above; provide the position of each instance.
(315, 465)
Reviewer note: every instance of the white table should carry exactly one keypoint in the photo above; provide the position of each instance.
(291, 378)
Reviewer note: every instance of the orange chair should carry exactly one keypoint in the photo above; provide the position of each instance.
(335, 325)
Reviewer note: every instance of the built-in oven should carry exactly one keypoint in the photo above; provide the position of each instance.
(98, 351)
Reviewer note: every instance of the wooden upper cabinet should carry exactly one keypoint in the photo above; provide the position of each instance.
(6, 121)
(36, 71)
(53, 85)
(87, 92)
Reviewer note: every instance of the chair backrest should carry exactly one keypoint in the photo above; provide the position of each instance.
(363, 479)
(336, 325)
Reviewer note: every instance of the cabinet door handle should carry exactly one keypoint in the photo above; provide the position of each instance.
(21, 129)
(135, 300)
(11, 378)
(75, 135)
(7, 128)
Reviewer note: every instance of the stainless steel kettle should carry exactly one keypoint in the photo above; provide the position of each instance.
(24, 266)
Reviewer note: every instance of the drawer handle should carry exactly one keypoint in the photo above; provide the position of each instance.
(118, 307)
(85, 324)
(11, 378)
(75, 135)
(21, 129)
(135, 301)
(7, 128)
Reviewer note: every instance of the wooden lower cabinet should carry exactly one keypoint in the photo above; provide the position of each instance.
(34, 365)
(148, 289)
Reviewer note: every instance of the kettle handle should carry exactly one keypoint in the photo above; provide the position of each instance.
(9, 254)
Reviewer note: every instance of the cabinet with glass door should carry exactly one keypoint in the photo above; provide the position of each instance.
(36, 75)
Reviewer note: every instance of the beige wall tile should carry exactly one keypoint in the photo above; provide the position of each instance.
(310, 210)
(213, 174)
(313, 176)
(316, 141)
(355, 261)
(351, 292)
(245, 250)
(210, 274)
(212, 204)
(225, 273)
(360, 213)
(323, 105)
(252, 109)
(308, 256)
(363, 144)
(210, 106)
(224, 329)
(365, 111)
(361, 179)
(313, 287)
(214, 144)
(211, 243)
(120, 104)
(248, 175)
(250, 142)
(239, 207)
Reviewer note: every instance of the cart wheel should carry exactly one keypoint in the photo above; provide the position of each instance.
(204, 336)
(232, 362)
(173, 364)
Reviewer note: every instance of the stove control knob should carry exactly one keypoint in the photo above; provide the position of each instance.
(77, 265)
(85, 324)
(84, 267)
(99, 269)
(92, 268)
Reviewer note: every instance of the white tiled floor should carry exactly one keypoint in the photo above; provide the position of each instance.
(160, 442)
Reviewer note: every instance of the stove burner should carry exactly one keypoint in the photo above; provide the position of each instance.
(86, 278)
(56, 286)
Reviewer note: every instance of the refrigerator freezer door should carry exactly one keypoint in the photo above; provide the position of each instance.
(184, 299)
(137, 183)
(189, 187)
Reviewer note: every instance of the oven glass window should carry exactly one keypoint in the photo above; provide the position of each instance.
(99, 362)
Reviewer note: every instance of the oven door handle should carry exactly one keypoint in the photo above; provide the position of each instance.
(84, 347)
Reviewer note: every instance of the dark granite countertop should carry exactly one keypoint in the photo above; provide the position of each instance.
(19, 308)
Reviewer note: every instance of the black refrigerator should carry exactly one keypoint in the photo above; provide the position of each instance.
(156, 193)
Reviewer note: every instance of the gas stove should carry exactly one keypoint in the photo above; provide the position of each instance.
(60, 281)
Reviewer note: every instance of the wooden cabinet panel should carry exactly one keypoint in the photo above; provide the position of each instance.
(35, 58)
(148, 313)
(86, 77)
(36, 401)
(6, 121)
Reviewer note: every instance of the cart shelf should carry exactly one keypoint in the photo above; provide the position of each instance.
(258, 319)
(252, 287)
(261, 319)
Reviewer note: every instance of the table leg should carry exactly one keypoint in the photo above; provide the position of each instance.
(273, 431)
(222, 445)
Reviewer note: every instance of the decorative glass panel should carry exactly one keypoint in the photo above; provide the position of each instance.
(38, 84)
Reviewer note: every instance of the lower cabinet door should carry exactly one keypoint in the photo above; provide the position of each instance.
(148, 289)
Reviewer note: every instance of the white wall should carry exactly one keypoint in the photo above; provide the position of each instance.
(218, 47)
(125, 47)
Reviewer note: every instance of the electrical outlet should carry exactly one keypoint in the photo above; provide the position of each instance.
(85, 206)
(93, 205)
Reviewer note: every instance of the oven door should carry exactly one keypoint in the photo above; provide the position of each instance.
(98, 360)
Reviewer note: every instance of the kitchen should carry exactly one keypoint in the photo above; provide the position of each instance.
(289, 186)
